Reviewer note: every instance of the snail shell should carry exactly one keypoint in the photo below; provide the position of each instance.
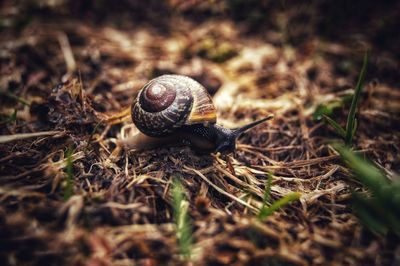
(177, 109)
(169, 102)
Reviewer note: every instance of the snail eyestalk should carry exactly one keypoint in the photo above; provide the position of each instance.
(243, 129)
(227, 137)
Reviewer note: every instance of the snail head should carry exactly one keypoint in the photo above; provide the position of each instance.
(226, 138)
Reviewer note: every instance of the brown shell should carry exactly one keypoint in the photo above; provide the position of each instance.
(190, 105)
(203, 110)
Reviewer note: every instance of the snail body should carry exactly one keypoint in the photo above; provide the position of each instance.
(175, 109)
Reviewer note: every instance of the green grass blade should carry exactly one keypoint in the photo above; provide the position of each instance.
(335, 125)
(68, 189)
(357, 91)
(9, 118)
(365, 172)
(92, 134)
(326, 109)
(181, 218)
(353, 132)
(267, 191)
(362, 209)
(380, 212)
(266, 197)
(13, 116)
(279, 204)
(16, 98)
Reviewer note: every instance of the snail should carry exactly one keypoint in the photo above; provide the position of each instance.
(175, 109)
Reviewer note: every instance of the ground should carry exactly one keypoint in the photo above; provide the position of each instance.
(73, 196)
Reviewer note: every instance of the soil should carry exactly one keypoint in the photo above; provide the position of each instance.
(70, 69)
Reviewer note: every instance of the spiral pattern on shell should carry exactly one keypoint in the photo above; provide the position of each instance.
(170, 101)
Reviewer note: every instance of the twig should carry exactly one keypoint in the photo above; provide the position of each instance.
(8, 138)
(67, 51)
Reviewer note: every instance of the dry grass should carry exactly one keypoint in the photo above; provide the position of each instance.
(120, 212)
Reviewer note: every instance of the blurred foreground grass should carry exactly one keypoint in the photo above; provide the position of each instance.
(379, 210)
(181, 218)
